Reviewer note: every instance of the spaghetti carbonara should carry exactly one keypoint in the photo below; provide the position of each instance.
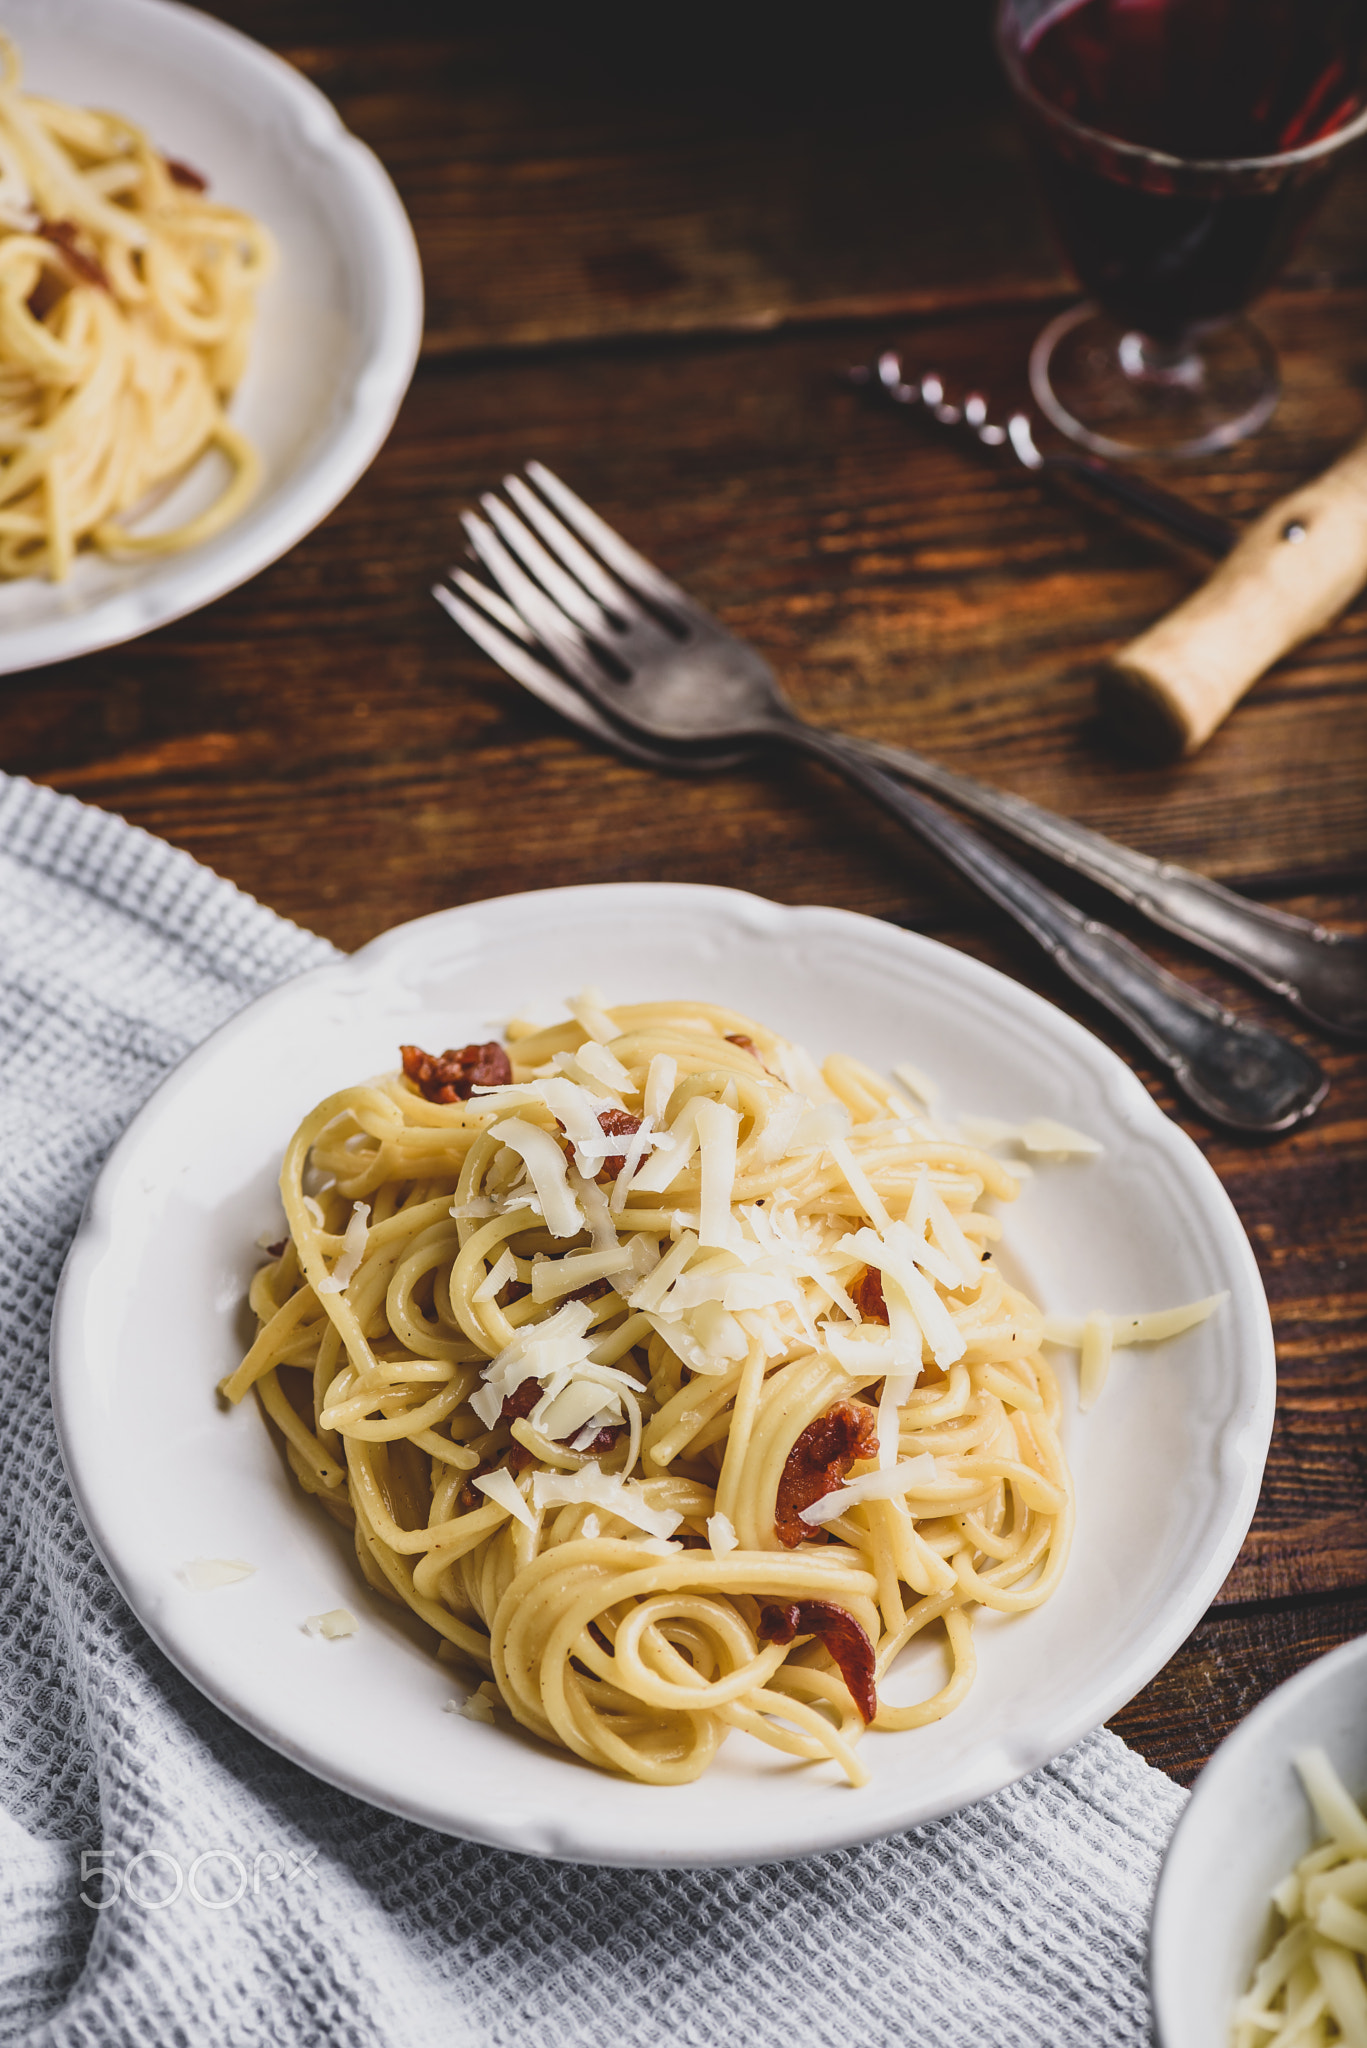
(127, 302)
(672, 1382)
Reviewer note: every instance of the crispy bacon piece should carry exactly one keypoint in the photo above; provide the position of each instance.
(454, 1076)
(818, 1462)
(842, 1636)
(616, 1123)
(867, 1296)
(520, 1403)
(65, 235)
(604, 1440)
(185, 174)
(748, 1045)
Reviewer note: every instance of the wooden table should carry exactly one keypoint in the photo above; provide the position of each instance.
(645, 269)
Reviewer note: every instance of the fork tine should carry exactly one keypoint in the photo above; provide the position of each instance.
(544, 684)
(572, 552)
(536, 610)
(498, 608)
(569, 595)
(523, 667)
(616, 552)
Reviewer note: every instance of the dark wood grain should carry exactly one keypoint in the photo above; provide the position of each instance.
(648, 276)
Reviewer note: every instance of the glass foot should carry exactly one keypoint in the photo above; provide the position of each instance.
(1125, 396)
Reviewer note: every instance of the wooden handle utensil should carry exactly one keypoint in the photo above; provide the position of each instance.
(1294, 570)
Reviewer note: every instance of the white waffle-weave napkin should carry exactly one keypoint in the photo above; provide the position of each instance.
(1018, 1924)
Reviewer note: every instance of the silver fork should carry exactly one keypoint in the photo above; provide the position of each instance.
(668, 677)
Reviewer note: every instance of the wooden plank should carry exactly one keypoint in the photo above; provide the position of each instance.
(567, 184)
(1222, 1671)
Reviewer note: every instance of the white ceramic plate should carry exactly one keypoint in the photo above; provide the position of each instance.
(1248, 1822)
(339, 325)
(150, 1316)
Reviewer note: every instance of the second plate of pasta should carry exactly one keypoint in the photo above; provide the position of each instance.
(674, 1380)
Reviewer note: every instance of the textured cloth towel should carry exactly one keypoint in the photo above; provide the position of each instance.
(1019, 1924)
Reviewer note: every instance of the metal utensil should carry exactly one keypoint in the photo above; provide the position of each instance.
(659, 666)
(1321, 973)
(885, 380)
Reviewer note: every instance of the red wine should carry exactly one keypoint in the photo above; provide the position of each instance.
(1169, 250)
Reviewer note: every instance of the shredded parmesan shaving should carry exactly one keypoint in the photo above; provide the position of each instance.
(497, 1278)
(546, 1166)
(913, 1475)
(1096, 1336)
(206, 1574)
(587, 1009)
(503, 1489)
(336, 1623)
(624, 1498)
(1039, 1134)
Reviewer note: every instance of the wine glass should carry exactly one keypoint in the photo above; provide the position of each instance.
(1182, 146)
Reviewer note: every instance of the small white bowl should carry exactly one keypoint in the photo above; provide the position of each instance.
(1248, 1822)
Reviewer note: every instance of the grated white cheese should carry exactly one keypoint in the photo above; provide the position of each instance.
(917, 1083)
(503, 1489)
(496, 1279)
(779, 1133)
(721, 1535)
(818, 1124)
(660, 1078)
(597, 1061)
(652, 1290)
(588, 1008)
(913, 1475)
(478, 1707)
(545, 1164)
(1055, 1140)
(336, 1623)
(896, 1390)
(624, 1498)
(315, 1211)
(865, 1351)
(674, 1149)
(591, 1527)
(584, 1406)
(205, 1574)
(1039, 1134)
(353, 1251)
(718, 1127)
(594, 1203)
(1096, 1336)
(898, 1254)
(637, 1145)
(476, 1206)
(860, 1184)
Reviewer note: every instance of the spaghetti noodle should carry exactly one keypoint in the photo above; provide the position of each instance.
(127, 302)
(669, 1380)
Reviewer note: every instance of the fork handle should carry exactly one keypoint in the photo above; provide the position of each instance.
(1238, 1074)
(1323, 973)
